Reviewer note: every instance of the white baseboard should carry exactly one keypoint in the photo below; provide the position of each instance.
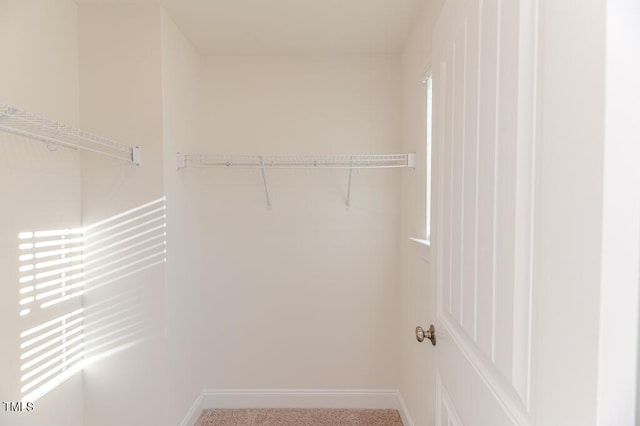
(404, 412)
(194, 412)
(298, 398)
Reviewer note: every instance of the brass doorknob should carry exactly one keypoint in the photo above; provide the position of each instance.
(430, 334)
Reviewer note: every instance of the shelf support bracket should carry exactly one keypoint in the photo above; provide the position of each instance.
(266, 185)
(7, 115)
(136, 155)
(349, 184)
(411, 160)
(182, 161)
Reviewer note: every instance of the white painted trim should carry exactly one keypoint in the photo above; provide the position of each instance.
(420, 241)
(194, 412)
(299, 398)
(444, 400)
(423, 248)
(404, 412)
(617, 398)
(505, 394)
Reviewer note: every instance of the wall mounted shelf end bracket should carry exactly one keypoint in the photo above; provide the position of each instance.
(54, 134)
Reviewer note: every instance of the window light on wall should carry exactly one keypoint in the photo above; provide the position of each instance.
(428, 119)
(424, 242)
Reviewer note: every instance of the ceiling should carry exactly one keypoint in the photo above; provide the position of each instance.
(292, 27)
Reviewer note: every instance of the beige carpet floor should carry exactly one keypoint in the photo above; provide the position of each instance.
(298, 417)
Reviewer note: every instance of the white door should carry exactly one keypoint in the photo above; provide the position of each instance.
(483, 79)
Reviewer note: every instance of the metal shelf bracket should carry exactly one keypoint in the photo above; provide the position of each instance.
(182, 161)
(136, 155)
(349, 184)
(266, 185)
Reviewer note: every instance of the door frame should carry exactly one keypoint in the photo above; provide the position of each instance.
(620, 281)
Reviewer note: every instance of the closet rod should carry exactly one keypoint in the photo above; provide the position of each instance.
(369, 161)
(54, 134)
(384, 161)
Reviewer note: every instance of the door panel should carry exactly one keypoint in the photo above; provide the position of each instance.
(446, 412)
(483, 199)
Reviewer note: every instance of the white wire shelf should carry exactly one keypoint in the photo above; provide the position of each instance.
(297, 161)
(54, 134)
(263, 162)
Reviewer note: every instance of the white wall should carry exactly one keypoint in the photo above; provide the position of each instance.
(121, 97)
(416, 273)
(304, 295)
(40, 189)
(184, 300)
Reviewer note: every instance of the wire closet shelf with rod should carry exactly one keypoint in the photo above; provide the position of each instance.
(55, 134)
(265, 162)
